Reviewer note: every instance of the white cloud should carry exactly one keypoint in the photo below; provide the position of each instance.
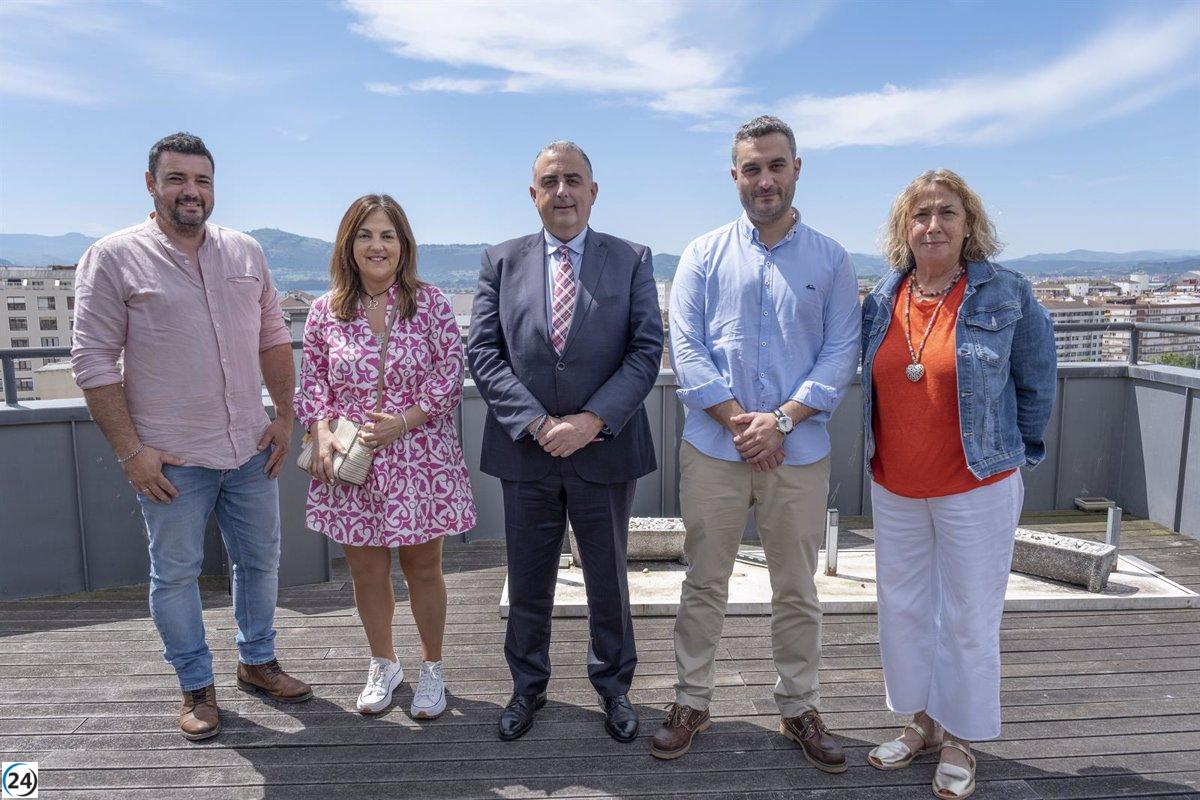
(458, 85)
(49, 50)
(1124, 69)
(384, 88)
(686, 57)
(296, 136)
(672, 55)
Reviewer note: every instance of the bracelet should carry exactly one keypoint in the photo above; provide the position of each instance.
(404, 419)
(132, 455)
(537, 431)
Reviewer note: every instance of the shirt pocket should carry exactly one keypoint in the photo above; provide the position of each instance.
(244, 293)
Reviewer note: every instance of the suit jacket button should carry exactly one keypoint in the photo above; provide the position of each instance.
(560, 366)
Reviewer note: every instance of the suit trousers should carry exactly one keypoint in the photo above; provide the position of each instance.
(942, 567)
(789, 509)
(535, 518)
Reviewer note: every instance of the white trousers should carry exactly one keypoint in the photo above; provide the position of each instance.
(942, 566)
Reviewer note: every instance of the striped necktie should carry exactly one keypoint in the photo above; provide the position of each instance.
(563, 305)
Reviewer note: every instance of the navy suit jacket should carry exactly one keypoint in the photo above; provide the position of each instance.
(609, 365)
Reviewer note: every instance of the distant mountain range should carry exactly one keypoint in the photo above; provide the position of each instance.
(302, 262)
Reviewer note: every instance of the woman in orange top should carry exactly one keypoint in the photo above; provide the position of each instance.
(959, 374)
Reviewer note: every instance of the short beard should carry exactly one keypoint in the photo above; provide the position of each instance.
(758, 218)
(183, 225)
(172, 217)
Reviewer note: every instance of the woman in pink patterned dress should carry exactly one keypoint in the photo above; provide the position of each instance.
(419, 488)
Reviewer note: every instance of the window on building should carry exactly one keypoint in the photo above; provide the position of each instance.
(48, 324)
(46, 304)
(24, 384)
(20, 343)
(49, 341)
(18, 324)
(37, 284)
(23, 364)
(71, 303)
(16, 303)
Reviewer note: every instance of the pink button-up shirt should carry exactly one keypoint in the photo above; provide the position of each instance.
(191, 336)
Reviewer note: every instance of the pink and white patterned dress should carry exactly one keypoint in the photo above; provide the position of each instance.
(419, 487)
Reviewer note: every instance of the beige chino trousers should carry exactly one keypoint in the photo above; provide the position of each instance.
(789, 509)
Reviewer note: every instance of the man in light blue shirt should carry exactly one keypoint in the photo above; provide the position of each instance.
(765, 326)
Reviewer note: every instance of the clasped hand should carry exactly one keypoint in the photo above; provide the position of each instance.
(382, 430)
(757, 440)
(560, 437)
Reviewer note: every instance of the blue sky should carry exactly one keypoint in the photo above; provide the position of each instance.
(1078, 123)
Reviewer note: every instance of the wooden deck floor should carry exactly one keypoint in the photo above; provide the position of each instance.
(1096, 704)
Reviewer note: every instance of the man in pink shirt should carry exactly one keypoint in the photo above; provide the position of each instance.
(192, 308)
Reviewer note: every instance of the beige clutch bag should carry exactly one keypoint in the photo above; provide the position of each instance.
(354, 465)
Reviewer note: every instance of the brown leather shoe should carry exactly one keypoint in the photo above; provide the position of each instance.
(271, 680)
(675, 736)
(198, 718)
(820, 748)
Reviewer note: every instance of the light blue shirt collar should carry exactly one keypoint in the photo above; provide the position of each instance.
(747, 229)
(553, 243)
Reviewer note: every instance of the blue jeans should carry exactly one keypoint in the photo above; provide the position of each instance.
(247, 505)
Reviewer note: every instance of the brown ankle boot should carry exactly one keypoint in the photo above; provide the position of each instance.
(198, 718)
(820, 748)
(675, 736)
(271, 680)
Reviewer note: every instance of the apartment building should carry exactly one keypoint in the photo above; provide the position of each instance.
(1179, 309)
(1077, 345)
(37, 309)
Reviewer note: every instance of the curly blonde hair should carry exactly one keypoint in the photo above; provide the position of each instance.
(981, 243)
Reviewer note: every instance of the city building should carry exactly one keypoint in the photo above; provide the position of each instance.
(1179, 309)
(1077, 345)
(37, 309)
(55, 381)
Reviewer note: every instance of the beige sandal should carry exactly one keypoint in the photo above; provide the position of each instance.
(896, 754)
(952, 782)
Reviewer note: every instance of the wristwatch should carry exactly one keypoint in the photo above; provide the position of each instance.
(783, 423)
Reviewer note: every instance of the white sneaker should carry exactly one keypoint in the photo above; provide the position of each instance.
(383, 677)
(429, 699)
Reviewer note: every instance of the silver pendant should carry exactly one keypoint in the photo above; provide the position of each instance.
(914, 372)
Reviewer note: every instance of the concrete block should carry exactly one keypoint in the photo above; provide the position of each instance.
(654, 589)
(650, 539)
(1063, 558)
(1093, 503)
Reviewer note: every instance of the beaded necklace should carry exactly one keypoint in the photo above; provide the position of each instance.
(916, 370)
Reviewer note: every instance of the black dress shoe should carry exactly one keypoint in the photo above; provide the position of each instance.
(620, 720)
(517, 717)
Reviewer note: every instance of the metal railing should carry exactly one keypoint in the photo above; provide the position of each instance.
(10, 354)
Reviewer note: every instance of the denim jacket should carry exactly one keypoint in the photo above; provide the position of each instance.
(1007, 367)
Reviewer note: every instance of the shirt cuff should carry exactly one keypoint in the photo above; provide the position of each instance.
(94, 378)
(817, 395)
(280, 336)
(706, 395)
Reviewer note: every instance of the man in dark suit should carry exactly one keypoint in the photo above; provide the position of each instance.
(565, 344)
